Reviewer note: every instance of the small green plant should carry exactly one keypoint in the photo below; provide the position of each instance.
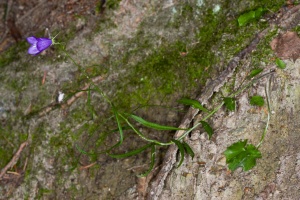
(240, 154)
(257, 101)
(255, 72)
(280, 64)
(229, 103)
(247, 17)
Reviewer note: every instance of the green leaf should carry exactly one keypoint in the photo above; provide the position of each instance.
(255, 72)
(259, 12)
(191, 102)
(229, 103)
(188, 149)
(257, 101)
(232, 151)
(207, 128)
(250, 16)
(246, 18)
(141, 134)
(119, 128)
(151, 164)
(181, 151)
(280, 64)
(131, 153)
(241, 154)
(154, 125)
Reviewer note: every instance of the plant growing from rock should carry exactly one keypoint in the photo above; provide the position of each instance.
(239, 154)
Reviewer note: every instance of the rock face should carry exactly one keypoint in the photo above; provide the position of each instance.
(139, 54)
(276, 174)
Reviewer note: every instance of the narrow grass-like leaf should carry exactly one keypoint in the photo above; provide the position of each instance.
(119, 126)
(120, 130)
(154, 125)
(151, 164)
(257, 101)
(131, 153)
(181, 151)
(207, 128)
(255, 72)
(188, 149)
(142, 135)
(229, 103)
(280, 64)
(191, 102)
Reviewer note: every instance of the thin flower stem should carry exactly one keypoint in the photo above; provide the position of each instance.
(250, 83)
(269, 114)
(205, 118)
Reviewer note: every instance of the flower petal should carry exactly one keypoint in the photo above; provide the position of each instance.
(43, 43)
(33, 50)
(32, 40)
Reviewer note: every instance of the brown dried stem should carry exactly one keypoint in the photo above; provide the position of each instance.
(14, 160)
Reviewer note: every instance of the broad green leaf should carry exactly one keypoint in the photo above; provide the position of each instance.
(207, 128)
(191, 102)
(232, 151)
(241, 154)
(131, 153)
(181, 151)
(259, 12)
(249, 16)
(257, 101)
(188, 149)
(154, 125)
(255, 72)
(151, 164)
(246, 18)
(280, 64)
(229, 103)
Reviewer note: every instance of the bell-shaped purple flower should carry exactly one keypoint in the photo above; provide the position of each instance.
(38, 44)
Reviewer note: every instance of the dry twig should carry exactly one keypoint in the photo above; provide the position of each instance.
(14, 160)
(87, 166)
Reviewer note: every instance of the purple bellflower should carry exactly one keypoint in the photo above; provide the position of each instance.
(38, 44)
